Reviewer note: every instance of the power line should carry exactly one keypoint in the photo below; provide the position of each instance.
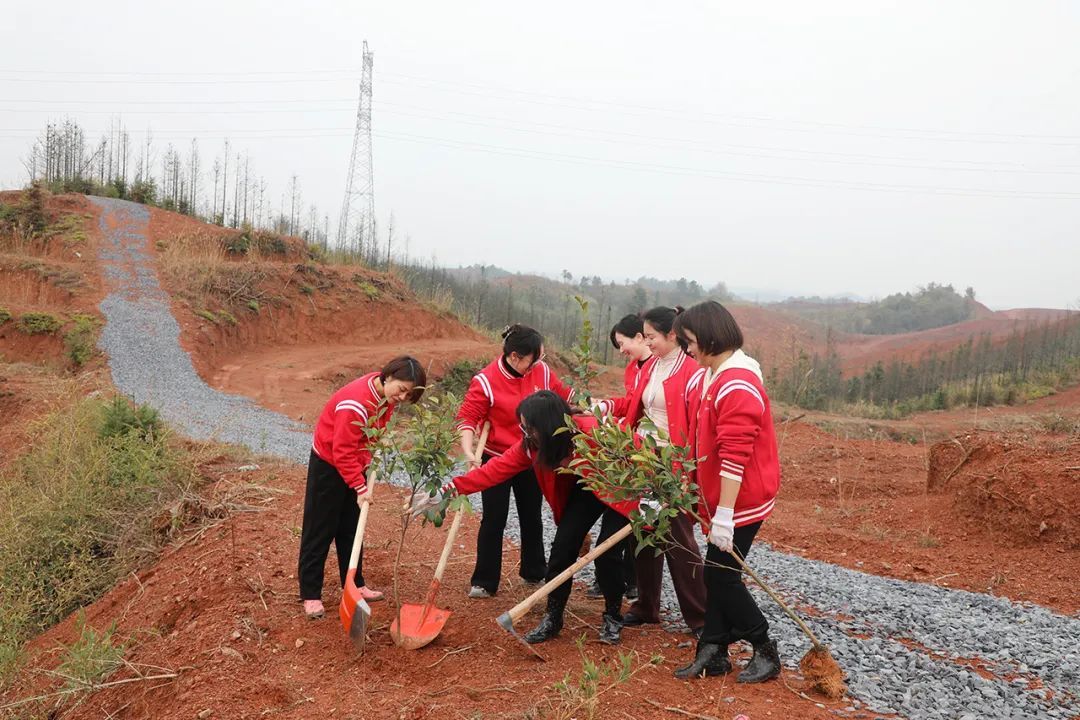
(589, 104)
(228, 81)
(139, 73)
(680, 171)
(749, 177)
(737, 150)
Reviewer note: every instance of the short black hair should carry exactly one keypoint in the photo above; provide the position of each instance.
(662, 318)
(521, 339)
(408, 369)
(628, 326)
(713, 326)
(544, 412)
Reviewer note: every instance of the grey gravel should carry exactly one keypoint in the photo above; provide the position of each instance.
(142, 340)
(908, 649)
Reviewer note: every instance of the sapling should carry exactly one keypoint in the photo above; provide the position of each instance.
(419, 449)
(584, 373)
(617, 464)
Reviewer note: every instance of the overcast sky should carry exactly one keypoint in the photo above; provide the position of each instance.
(799, 148)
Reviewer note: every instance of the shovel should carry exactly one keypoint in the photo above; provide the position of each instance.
(417, 625)
(354, 610)
(507, 619)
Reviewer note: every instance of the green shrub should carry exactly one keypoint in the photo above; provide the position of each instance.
(459, 375)
(270, 243)
(207, 315)
(5, 315)
(253, 306)
(119, 418)
(79, 340)
(367, 288)
(1058, 424)
(307, 289)
(143, 191)
(89, 495)
(238, 244)
(92, 658)
(35, 323)
(228, 317)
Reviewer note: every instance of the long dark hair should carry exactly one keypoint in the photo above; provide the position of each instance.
(662, 318)
(543, 413)
(523, 340)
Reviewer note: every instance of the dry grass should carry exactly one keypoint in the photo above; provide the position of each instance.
(98, 492)
(198, 266)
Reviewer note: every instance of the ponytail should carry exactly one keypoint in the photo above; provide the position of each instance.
(662, 318)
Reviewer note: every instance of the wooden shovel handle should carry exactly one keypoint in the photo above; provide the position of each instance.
(454, 526)
(525, 605)
(361, 524)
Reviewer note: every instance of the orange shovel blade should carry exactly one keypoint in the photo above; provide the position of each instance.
(354, 612)
(417, 625)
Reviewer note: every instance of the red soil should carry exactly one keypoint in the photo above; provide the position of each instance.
(221, 612)
(864, 504)
(60, 277)
(295, 351)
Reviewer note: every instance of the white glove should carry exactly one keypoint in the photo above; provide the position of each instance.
(650, 503)
(722, 529)
(422, 501)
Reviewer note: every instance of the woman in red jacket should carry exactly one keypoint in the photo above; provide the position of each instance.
(574, 506)
(336, 482)
(493, 395)
(626, 336)
(738, 476)
(660, 396)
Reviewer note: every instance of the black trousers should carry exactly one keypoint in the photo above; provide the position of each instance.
(330, 515)
(489, 540)
(731, 614)
(629, 566)
(581, 511)
(625, 550)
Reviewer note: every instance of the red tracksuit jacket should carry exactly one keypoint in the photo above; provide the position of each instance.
(494, 395)
(339, 440)
(631, 408)
(732, 434)
(631, 374)
(554, 485)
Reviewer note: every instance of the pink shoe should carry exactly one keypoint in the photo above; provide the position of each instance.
(314, 609)
(370, 595)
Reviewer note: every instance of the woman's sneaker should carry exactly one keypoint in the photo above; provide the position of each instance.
(370, 595)
(314, 609)
(478, 593)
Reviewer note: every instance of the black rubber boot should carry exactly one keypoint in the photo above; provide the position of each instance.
(610, 630)
(711, 659)
(764, 665)
(631, 592)
(548, 628)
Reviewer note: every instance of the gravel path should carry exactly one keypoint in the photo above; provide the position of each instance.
(921, 651)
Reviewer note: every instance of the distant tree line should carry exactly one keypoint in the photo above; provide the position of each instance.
(492, 298)
(1033, 361)
(930, 307)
